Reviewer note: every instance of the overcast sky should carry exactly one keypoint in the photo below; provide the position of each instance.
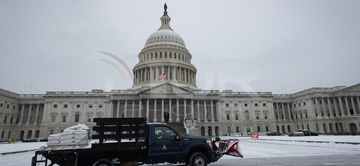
(264, 46)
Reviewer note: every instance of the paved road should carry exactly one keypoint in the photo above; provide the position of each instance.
(332, 160)
(260, 152)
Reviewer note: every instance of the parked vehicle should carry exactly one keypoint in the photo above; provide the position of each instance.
(137, 142)
(44, 140)
(31, 140)
(273, 134)
(303, 133)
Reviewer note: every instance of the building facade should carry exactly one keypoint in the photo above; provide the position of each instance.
(164, 90)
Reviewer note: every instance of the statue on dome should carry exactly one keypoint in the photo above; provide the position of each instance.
(165, 8)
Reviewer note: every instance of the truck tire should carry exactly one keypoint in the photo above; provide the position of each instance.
(103, 162)
(198, 159)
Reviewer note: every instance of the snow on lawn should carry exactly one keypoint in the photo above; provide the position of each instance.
(326, 138)
(20, 146)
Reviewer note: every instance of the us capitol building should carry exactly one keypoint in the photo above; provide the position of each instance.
(176, 97)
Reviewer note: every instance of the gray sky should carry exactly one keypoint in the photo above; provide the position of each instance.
(266, 46)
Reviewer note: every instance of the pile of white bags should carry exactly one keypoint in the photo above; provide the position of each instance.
(74, 136)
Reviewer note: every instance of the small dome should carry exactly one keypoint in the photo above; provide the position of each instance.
(165, 36)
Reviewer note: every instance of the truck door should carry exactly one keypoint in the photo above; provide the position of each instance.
(164, 146)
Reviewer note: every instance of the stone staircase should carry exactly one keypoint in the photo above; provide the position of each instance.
(178, 126)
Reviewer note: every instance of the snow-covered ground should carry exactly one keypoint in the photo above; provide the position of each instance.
(264, 147)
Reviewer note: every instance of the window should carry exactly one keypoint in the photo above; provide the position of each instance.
(258, 128)
(267, 128)
(53, 118)
(1, 105)
(13, 107)
(78, 106)
(304, 103)
(245, 105)
(256, 104)
(264, 104)
(9, 134)
(5, 119)
(164, 133)
(55, 105)
(237, 129)
(300, 115)
(247, 115)
(8, 106)
(65, 105)
(265, 115)
(235, 104)
(227, 116)
(227, 104)
(2, 134)
(100, 105)
(63, 119)
(77, 117)
(236, 116)
(257, 115)
(89, 118)
(248, 129)
(306, 115)
(90, 105)
(11, 120)
(99, 115)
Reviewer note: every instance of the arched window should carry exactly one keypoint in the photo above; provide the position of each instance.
(257, 115)
(227, 116)
(236, 116)
(247, 115)
(77, 117)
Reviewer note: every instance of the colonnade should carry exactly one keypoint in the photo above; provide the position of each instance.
(148, 74)
(282, 110)
(28, 113)
(165, 55)
(337, 106)
(170, 110)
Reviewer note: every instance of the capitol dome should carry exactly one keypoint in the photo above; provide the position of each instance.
(165, 36)
(164, 59)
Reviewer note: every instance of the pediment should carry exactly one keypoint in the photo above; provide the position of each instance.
(166, 88)
(351, 88)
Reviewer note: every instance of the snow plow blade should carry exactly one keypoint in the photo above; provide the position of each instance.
(230, 147)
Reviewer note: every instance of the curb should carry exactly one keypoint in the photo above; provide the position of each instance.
(6, 153)
(352, 143)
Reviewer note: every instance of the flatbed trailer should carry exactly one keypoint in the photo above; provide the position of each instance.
(128, 143)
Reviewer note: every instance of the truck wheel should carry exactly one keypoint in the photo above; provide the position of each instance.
(103, 162)
(198, 159)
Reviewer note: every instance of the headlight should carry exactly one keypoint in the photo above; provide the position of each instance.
(209, 143)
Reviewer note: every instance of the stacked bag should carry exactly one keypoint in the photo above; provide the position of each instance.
(73, 137)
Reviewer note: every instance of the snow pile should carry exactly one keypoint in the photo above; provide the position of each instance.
(74, 136)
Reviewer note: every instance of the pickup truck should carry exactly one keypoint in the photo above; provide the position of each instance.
(136, 142)
(303, 133)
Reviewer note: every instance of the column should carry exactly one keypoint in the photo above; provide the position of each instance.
(330, 110)
(162, 70)
(118, 109)
(155, 109)
(140, 108)
(347, 105)
(162, 110)
(28, 118)
(317, 107)
(357, 99)
(180, 76)
(341, 106)
(151, 74)
(133, 108)
(277, 110)
(271, 110)
(68, 119)
(353, 105)
(37, 113)
(84, 116)
(125, 109)
(205, 110)
(147, 110)
(283, 110)
(168, 72)
(157, 73)
(174, 75)
(323, 106)
(170, 111)
(336, 109)
(192, 109)
(22, 113)
(185, 114)
(212, 111)
(289, 111)
(218, 112)
(198, 108)
(177, 110)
